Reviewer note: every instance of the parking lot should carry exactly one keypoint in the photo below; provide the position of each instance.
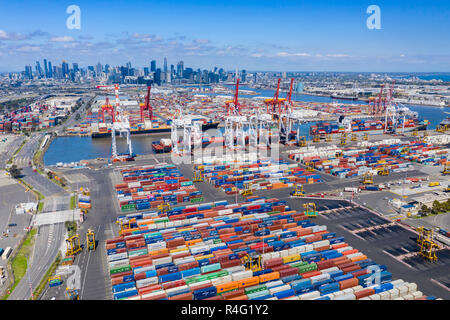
(385, 242)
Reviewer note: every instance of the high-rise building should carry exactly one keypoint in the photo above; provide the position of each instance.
(65, 69)
(50, 70)
(153, 66)
(28, 72)
(45, 68)
(99, 68)
(75, 67)
(180, 69)
(165, 65)
(106, 68)
(157, 77)
(146, 71)
(38, 69)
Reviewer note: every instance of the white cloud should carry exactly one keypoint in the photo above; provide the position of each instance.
(338, 55)
(4, 35)
(287, 54)
(62, 39)
(29, 49)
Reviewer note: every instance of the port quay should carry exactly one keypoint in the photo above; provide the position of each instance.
(153, 164)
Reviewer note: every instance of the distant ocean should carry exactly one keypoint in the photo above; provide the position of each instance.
(435, 76)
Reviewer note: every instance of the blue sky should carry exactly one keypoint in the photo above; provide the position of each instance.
(254, 35)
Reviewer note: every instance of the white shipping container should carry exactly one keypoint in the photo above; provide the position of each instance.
(152, 294)
(164, 260)
(310, 295)
(146, 282)
(280, 288)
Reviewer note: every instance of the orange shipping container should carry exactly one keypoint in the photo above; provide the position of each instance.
(227, 287)
(248, 282)
(269, 277)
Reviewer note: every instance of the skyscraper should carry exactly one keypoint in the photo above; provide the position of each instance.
(99, 68)
(45, 68)
(153, 66)
(65, 69)
(165, 65)
(50, 70)
(38, 69)
(75, 67)
(28, 72)
(180, 69)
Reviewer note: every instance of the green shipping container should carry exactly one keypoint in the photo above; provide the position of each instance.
(255, 289)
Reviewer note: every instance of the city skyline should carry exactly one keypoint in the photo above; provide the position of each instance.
(293, 36)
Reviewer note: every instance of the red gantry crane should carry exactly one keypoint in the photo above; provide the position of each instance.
(233, 106)
(274, 105)
(146, 106)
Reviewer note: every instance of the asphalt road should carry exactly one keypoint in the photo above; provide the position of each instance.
(48, 242)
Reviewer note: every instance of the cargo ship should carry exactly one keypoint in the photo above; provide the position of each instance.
(101, 130)
(361, 126)
(343, 97)
(162, 146)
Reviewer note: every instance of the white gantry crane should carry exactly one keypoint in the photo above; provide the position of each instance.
(191, 133)
(121, 125)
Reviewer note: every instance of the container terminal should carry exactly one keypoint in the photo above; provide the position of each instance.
(278, 200)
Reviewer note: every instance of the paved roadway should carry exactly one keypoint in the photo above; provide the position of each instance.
(48, 242)
(7, 149)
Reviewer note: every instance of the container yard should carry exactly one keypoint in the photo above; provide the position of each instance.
(152, 186)
(263, 174)
(392, 155)
(209, 253)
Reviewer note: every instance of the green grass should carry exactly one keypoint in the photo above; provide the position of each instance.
(19, 263)
(40, 206)
(73, 202)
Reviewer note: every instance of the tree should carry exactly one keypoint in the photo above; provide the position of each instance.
(436, 207)
(63, 181)
(50, 175)
(77, 117)
(424, 210)
(15, 172)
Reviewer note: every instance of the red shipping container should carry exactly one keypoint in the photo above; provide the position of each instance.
(349, 283)
(364, 293)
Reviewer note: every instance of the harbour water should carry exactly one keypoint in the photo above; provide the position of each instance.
(74, 149)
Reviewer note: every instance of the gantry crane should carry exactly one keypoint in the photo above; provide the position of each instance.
(354, 137)
(310, 166)
(275, 106)
(310, 209)
(298, 190)
(164, 207)
(415, 132)
(428, 246)
(252, 262)
(366, 137)
(146, 106)
(124, 224)
(198, 176)
(329, 138)
(247, 190)
(73, 245)
(109, 109)
(302, 141)
(446, 170)
(90, 240)
(343, 139)
(367, 178)
(122, 125)
(383, 171)
(316, 138)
